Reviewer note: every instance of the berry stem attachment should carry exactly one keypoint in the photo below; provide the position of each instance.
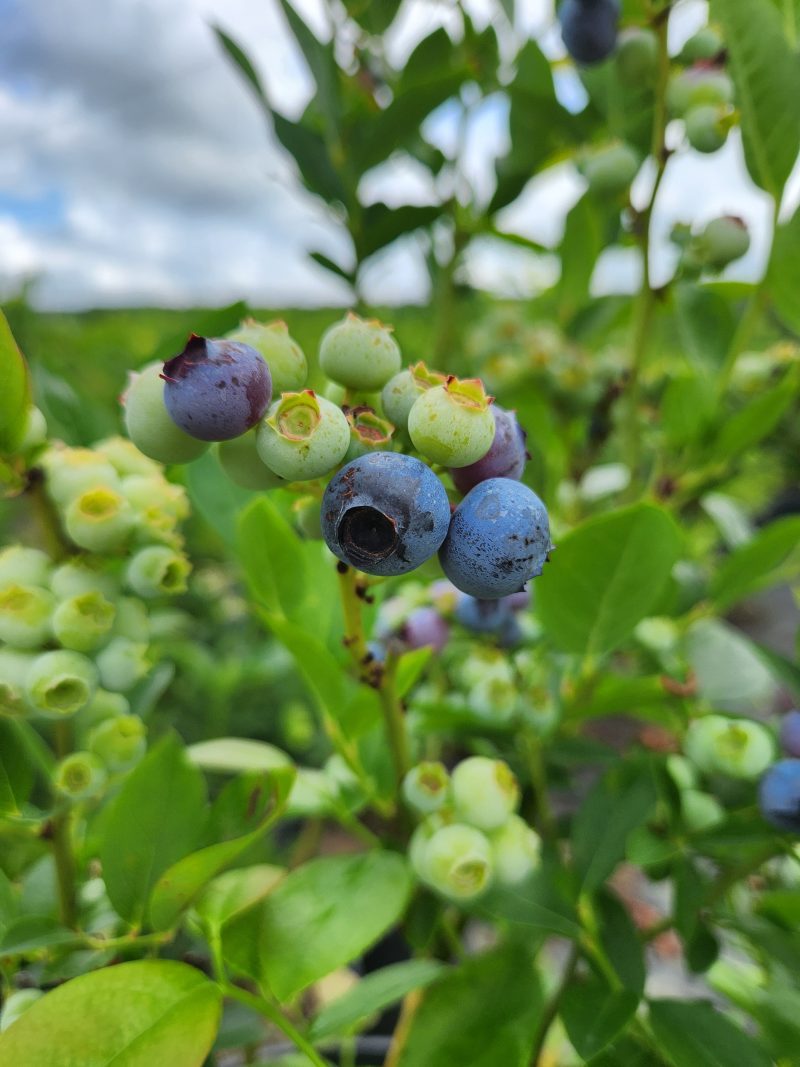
(351, 608)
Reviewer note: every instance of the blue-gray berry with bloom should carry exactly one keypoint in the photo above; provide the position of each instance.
(216, 390)
(385, 513)
(779, 795)
(589, 28)
(499, 538)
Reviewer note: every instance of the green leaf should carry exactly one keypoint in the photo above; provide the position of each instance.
(272, 557)
(687, 408)
(372, 994)
(593, 1014)
(605, 576)
(16, 770)
(154, 820)
(580, 246)
(328, 264)
(132, 1015)
(410, 667)
(383, 224)
(322, 64)
(484, 1013)
(183, 881)
(695, 1034)
(234, 892)
(319, 668)
(234, 755)
(769, 558)
(611, 810)
(705, 324)
(310, 153)
(242, 62)
(32, 932)
(766, 73)
(14, 391)
(730, 671)
(754, 422)
(325, 913)
(621, 941)
(215, 496)
(783, 276)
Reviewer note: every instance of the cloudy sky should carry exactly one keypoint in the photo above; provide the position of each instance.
(136, 167)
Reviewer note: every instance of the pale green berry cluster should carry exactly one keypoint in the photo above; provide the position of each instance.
(75, 626)
(731, 747)
(470, 836)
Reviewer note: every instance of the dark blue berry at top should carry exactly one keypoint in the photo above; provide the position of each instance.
(790, 733)
(385, 513)
(505, 459)
(589, 28)
(779, 795)
(499, 539)
(216, 390)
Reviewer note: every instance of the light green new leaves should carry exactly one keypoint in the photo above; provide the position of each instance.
(783, 280)
(133, 1015)
(272, 557)
(606, 576)
(766, 72)
(14, 398)
(770, 557)
(155, 819)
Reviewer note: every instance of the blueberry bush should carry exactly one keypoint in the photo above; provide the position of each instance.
(417, 697)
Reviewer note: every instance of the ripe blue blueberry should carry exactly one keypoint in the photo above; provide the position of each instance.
(425, 627)
(790, 733)
(779, 795)
(499, 539)
(385, 513)
(216, 390)
(506, 456)
(589, 28)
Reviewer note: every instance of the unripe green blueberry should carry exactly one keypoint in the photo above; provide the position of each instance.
(453, 423)
(119, 742)
(99, 520)
(426, 787)
(701, 811)
(16, 1004)
(342, 397)
(724, 240)
(25, 615)
(20, 565)
(704, 45)
(35, 434)
(79, 776)
(132, 620)
(83, 575)
(359, 353)
(494, 699)
(158, 571)
(698, 87)
(485, 792)
(283, 356)
(458, 862)
(145, 491)
(737, 748)
(148, 424)
(60, 683)
(707, 127)
(303, 436)
(516, 850)
(682, 772)
(241, 461)
(126, 459)
(103, 705)
(14, 667)
(308, 518)
(72, 471)
(402, 391)
(636, 57)
(122, 663)
(167, 624)
(368, 431)
(82, 622)
(611, 169)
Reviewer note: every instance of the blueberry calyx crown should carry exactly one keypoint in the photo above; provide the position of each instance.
(367, 534)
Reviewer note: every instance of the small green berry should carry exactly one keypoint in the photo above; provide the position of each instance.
(303, 437)
(145, 491)
(118, 742)
(126, 459)
(705, 45)
(122, 663)
(20, 565)
(158, 571)
(359, 353)
(516, 851)
(132, 620)
(82, 622)
(103, 705)
(368, 432)
(611, 169)
(25, 615)
(458, 862)
(72, 471)
(485, 792)
(737, 748)
(308, 517)
(283, 356)
(723, 240)
(84, 575)
(60, 683)
(148, 424)
(636, 58)
(402, 391)
(99, 520)
(701, 811)
(426, 787)
(14, 667)
(682, 772)
(79, 776)
(707, 127)
(698, 87)
(453, 423)
(244, 466)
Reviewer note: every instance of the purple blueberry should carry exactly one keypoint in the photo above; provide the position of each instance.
(779, 795)
(499, 538)
(216, 390)
(589, 28)
(385, 513)
(790, 733)
(506, 457)
(424, 627)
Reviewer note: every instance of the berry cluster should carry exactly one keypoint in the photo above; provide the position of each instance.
(470, 836)
(75, 630)
(384, 510)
